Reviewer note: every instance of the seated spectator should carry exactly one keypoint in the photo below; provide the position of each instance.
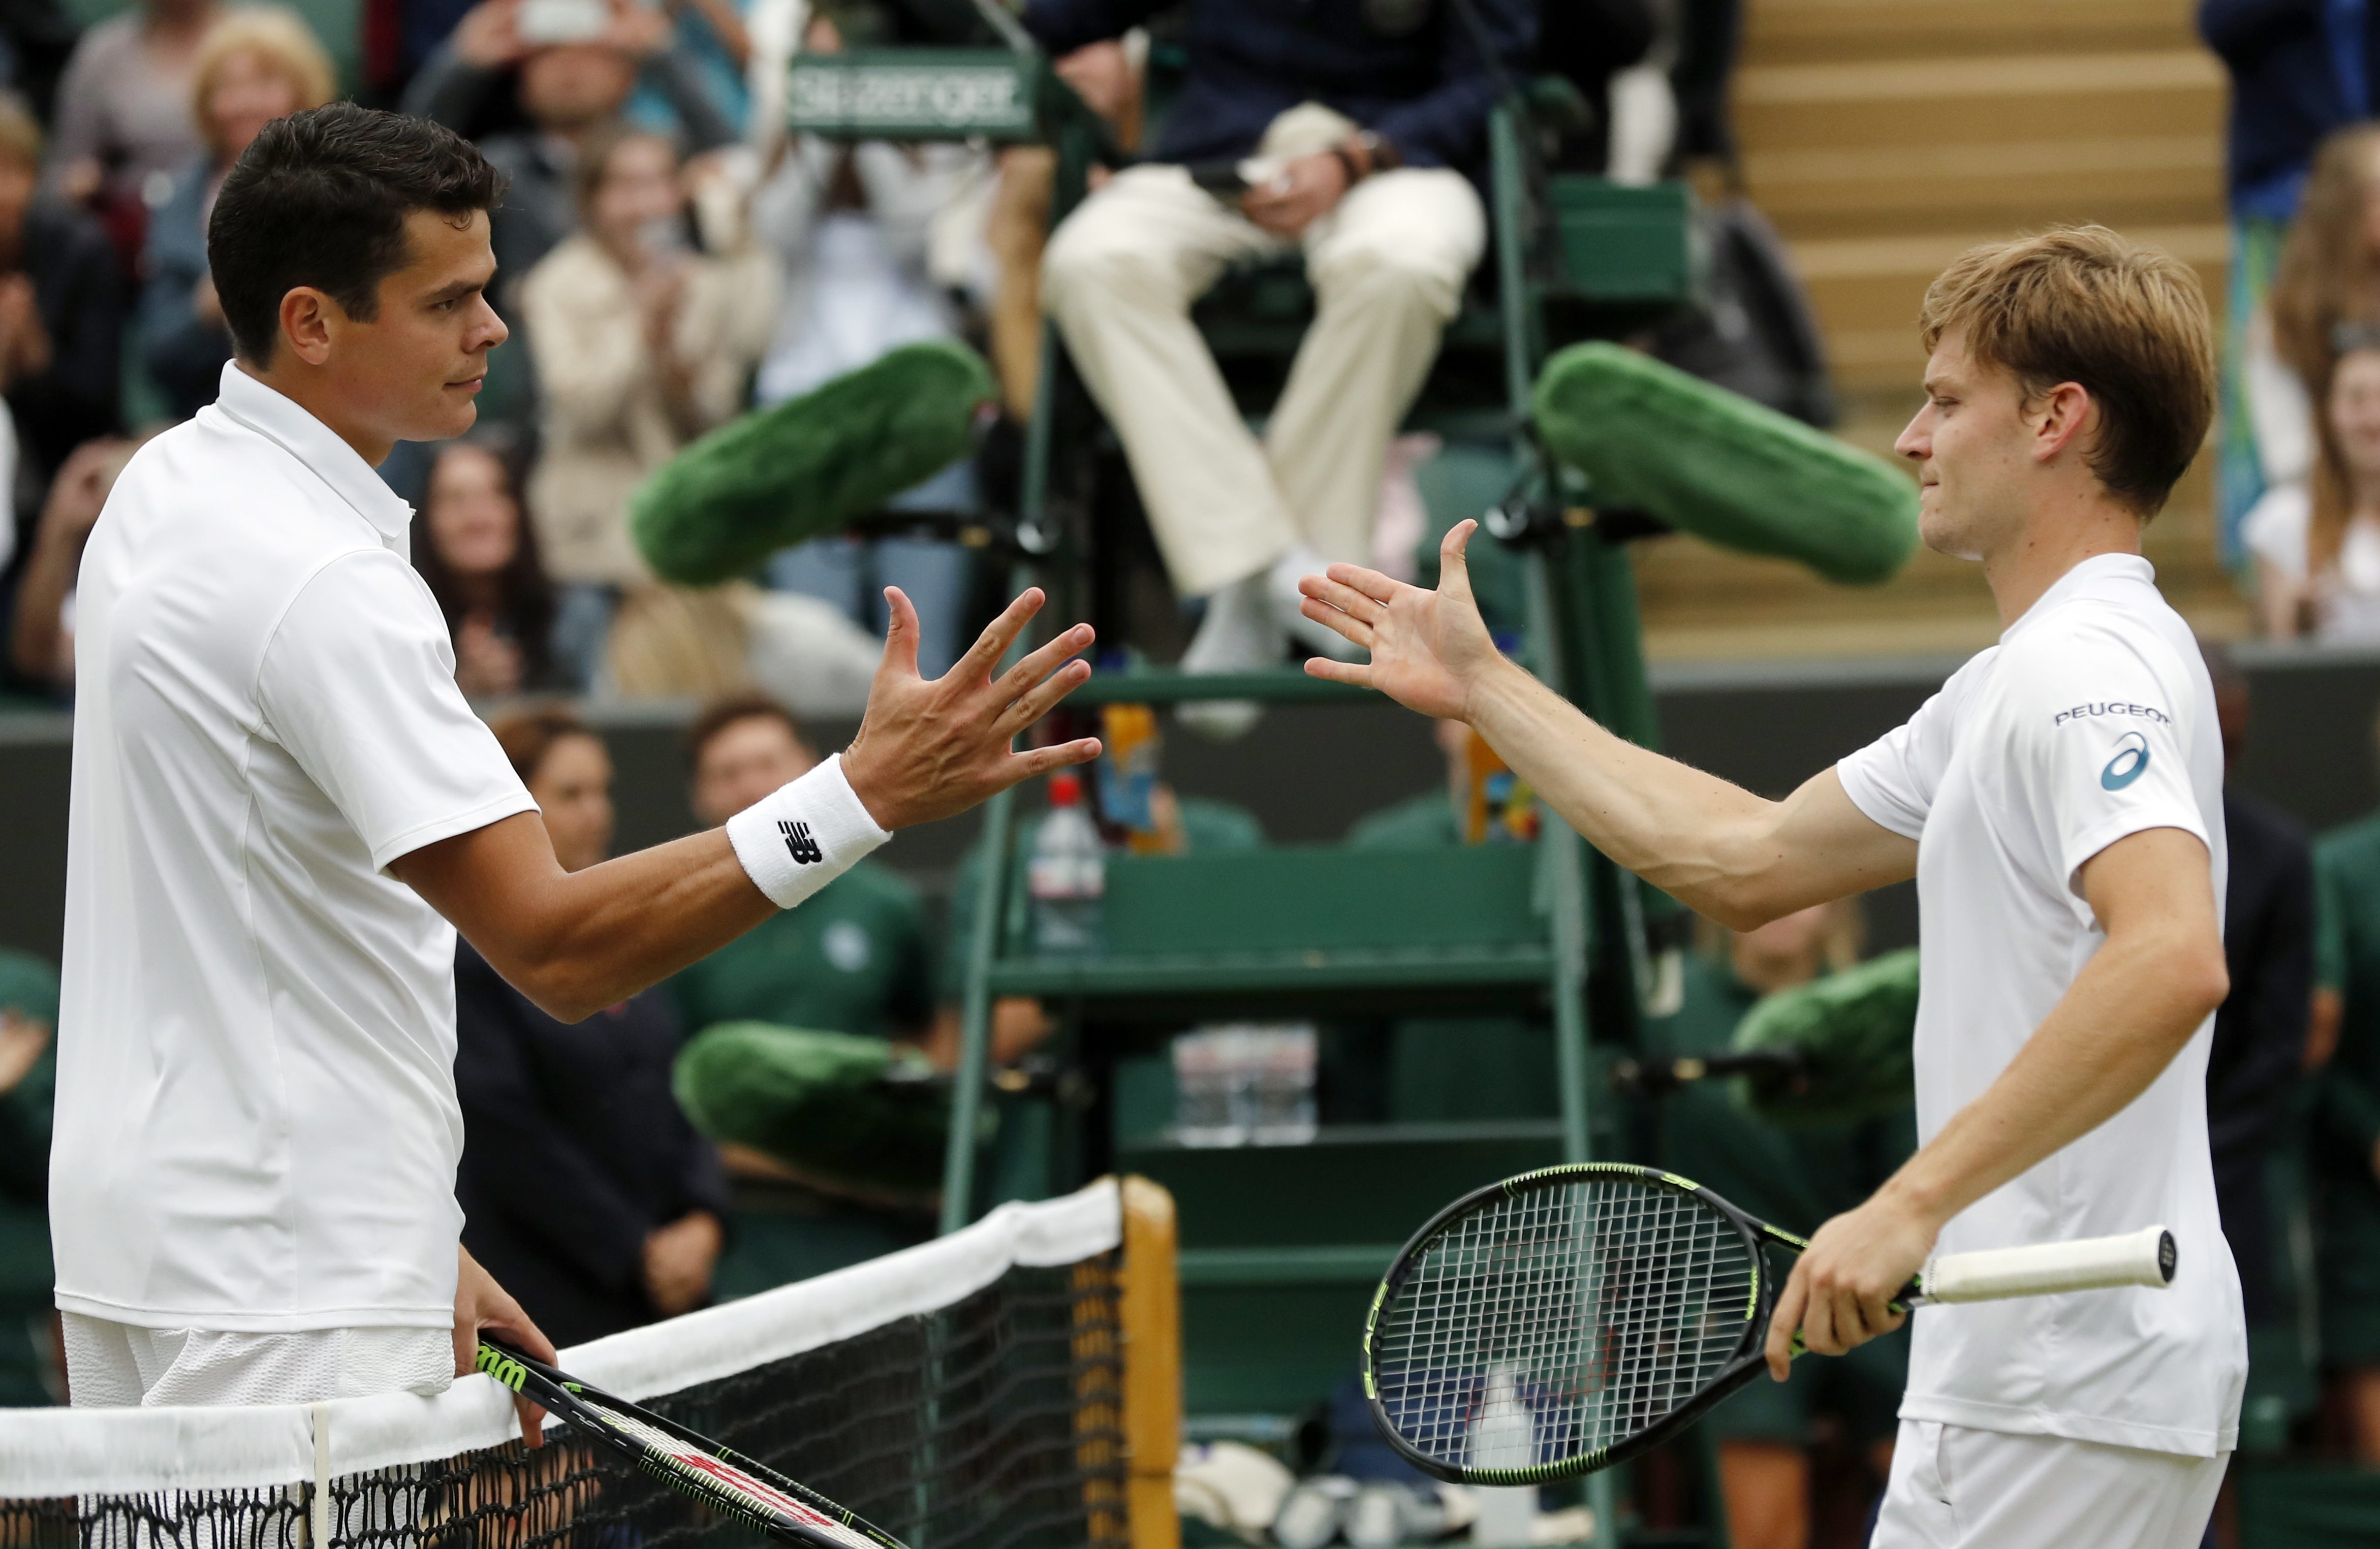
(61, 310)
(124, 126)
(257, 65)
(479, 558)
(1357, 117)
(41, 637)
(2263, 1027)
(569, 88)
(581, 1183)
(850, 226)
(32, 1363)
(1437, 1068)
(641, 344)
(2317, 543)
(856, 959)
(37, 38)
(2299, 78)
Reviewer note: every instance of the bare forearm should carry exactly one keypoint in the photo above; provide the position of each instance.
(575, 942)
(35, 648)
(614, 929)
(1712, 845)
(2127, 1015)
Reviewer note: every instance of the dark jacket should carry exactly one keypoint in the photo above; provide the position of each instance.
(2260, 1032)
(1405, 69)
(185, 355)
(76, 290)
(2286, 94)
(574, 1150)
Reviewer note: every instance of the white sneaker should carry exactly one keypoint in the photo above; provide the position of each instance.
(1281, 594)
(1240, 633)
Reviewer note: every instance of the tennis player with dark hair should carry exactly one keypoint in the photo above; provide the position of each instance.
(278, 792)
(2060, 804)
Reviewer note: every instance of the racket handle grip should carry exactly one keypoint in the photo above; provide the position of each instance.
(2145, 1257)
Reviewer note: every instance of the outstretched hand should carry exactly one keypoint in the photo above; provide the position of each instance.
(1431, 650)
(928, 749)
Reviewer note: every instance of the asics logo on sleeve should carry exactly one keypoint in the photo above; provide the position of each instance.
(799, 844)
(2132, 758)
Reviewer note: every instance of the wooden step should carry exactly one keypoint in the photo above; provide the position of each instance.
(1867, 290)
(1781, 31)
(2118, 180)
(1890, 105)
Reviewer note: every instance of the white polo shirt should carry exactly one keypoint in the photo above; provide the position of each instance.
(2091, 720)
(256, 1124)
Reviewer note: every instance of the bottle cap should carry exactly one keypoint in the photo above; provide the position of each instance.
(1066, 788)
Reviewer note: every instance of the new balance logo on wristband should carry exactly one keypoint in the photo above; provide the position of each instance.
(799, 844)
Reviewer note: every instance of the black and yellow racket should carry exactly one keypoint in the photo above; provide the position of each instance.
(718, 1476)
(1565, 1320)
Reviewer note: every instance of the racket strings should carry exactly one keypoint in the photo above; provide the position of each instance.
(716, 1476)
(1561, 1322)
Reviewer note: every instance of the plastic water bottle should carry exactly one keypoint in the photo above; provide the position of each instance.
(1503, 1436)
(1279, 1065)
(1204, 1112)
(1067, 874)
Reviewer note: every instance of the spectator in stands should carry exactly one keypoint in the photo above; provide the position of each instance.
(257, 64)
(641, 343)
(480, 557)
(2260, 1029)
(2317, 543)
(2300, 70)
(849, 227)
(579, 1177)
(32, 1365)
(1797, 1178)
(856, 959)
(1357, 116)
(41, 636)
(124, 126)
(1441, 1068)
(37, 37)
(61, 310)
(575, 69)
(2346, 1139)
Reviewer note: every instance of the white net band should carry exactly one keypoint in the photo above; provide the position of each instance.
(49, 1454)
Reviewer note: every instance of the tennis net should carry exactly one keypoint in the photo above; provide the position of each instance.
(964, 1395)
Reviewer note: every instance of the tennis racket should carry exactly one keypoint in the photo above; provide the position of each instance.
(718, 1476)
(1568, 1319)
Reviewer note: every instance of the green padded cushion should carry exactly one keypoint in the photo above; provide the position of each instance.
(1855, 1028)
(1717, 465)
(822, 1102)
(810, 465)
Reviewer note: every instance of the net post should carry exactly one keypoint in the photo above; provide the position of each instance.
(318, 1508)
(1151, 1309)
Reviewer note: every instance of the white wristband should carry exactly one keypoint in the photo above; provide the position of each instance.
(804, 835)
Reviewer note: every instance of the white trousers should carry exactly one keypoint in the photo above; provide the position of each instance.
(118, 1365)
(1388, 268)
(1957, 1488)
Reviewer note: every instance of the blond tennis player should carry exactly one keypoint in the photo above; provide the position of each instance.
(2059, 803)
(283, 810)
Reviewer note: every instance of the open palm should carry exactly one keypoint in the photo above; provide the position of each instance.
(1429, 648)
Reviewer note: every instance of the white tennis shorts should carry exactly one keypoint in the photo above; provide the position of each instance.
(119, 1366)
(1956, 1488)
